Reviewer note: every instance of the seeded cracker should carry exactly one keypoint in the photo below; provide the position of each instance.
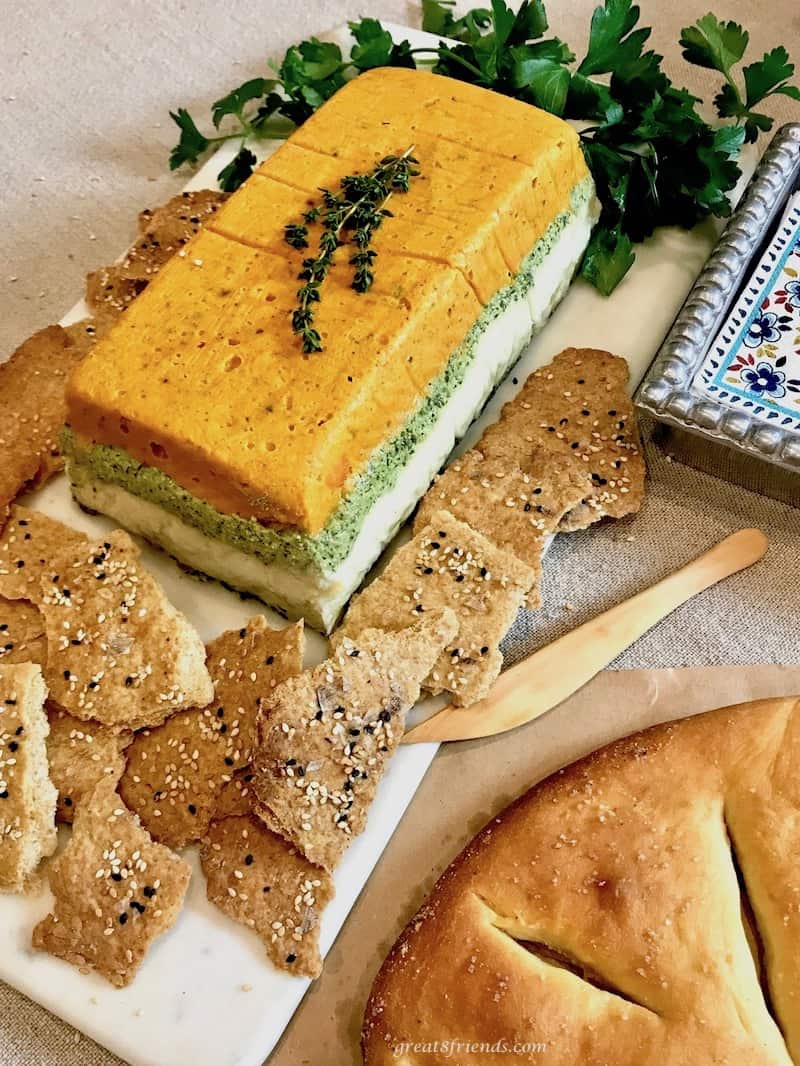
(516, 505)
(110, 290)
(27, 796)
(22, 637)
(448, 564)
(117, 650)
(81, 754)
(28, 545)
(262, 882)
(115, 891)
(326, 735)
(32, 410)
(176, 771)
(579, 407)
(236, 796)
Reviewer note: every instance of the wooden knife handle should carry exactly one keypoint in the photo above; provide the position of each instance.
(543, 680)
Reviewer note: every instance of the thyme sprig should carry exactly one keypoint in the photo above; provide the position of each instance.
(358, 210)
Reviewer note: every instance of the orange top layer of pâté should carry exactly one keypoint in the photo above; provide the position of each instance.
(202, 376)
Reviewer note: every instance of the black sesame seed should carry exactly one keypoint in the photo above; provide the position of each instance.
(13, 746)
(527, 507)
(354, 654)
(66, 675)
(267, 888)
(20, 564)
(123, 918)
(116, 877)
(243, 633)
(220, 712)
(270, 660)
(435, 545)
(192, 809)
(484, 649)
(459, 578)
(20, 728)
(68, 801)
(4, 795)
(291, 957)
(384, 716)
(228, 760)
(149, 891)
(248, 860)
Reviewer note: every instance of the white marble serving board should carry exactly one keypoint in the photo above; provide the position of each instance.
(206, 994)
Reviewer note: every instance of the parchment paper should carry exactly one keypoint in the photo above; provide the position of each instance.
(468, 784)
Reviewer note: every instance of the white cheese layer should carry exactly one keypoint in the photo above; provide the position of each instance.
(319, 596)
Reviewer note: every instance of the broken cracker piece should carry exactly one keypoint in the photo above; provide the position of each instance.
(117, 650)
(81, 754)
(115, 891)
(32, 410)
(579, 407)
(27, 796)
(448, 564)
(174, 223)
(258, 879)
(28, 544)
(176, 771)
(22, 638)
(515, 503)
(327, 735)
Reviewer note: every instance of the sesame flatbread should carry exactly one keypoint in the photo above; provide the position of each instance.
(327, 735)
(115, 891)
(176, 771)
(27, 796)
(118, 652)
(578, 406)
(28, 544)
(22, 638)
(265, 884)
(81, 754)
(516, 503)
(32, 411)
(448, 564)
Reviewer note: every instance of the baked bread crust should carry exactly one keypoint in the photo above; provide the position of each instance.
(640, 906)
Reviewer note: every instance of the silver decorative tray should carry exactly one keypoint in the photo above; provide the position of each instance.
(695, 428)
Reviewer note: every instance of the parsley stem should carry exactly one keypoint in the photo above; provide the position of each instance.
(450, 55)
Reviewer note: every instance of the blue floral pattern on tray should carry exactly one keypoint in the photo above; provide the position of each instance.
(754, 363)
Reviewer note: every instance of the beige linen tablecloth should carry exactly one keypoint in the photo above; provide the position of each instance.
(84, 94)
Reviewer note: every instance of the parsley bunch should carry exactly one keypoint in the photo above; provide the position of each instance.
(654, 158)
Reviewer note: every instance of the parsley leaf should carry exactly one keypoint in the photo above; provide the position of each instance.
(713, 44)
(769, 75)
(374, 47)
(720, 46)
(546, 81)
(192, 143)
(234, 103)
(608, 258)
(613, 42)
(237, 171)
